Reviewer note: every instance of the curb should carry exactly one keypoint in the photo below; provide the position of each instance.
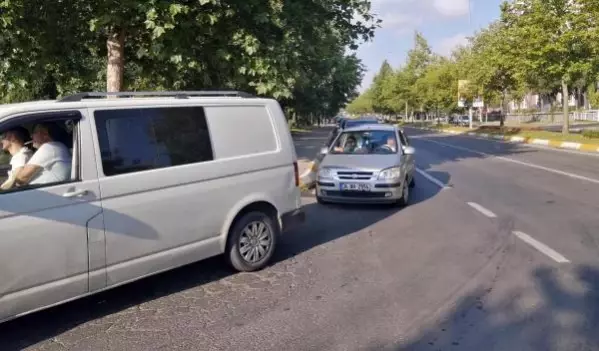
(565, 145)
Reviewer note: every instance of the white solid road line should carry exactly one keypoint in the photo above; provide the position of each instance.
(432, 179)
(507, 159)
(482, 210)
(554, 255)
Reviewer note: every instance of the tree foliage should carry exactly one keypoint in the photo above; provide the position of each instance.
(560, 44)
(277, 48)
(541, 46)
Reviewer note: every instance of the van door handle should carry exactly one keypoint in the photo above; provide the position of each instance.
(75, 193)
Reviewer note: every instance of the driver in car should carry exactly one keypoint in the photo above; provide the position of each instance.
(391, 143)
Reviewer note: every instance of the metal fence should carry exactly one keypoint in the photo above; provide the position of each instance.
(556, 117)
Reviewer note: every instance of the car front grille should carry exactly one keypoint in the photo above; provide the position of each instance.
(349, 175)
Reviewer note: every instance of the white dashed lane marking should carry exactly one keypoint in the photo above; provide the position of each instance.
(551, 253)
(482, 210)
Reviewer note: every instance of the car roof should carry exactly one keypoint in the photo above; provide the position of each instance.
(56, 105)
(372, 127)
(362, 120)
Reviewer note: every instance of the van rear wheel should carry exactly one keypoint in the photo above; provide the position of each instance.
(252, 242)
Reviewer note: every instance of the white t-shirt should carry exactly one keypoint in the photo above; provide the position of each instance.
(55, 160)
(19, 160)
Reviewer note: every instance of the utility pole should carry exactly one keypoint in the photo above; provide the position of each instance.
(470, 25)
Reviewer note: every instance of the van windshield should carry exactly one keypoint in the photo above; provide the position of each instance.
(379, 142)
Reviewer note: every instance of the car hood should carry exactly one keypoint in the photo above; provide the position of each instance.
(371, 162)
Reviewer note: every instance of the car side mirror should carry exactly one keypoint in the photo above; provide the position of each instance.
(324, 151)
(408, 150)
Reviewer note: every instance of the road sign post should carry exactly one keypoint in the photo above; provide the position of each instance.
(470, 116)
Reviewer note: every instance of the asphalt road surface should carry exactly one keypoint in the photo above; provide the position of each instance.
(498, 250)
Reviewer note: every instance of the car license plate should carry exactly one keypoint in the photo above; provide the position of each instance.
(355, 187)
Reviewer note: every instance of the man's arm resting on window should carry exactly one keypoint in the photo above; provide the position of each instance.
(8, 184)
(27, 173)
(11, 181)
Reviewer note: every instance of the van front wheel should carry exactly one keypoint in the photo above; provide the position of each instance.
(252, 242)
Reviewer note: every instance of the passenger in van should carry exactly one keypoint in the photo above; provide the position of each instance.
(51, 162)
(13, 142)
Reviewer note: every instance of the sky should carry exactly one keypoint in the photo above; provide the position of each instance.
(444, 23)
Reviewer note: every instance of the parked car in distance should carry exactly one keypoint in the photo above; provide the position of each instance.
(157, 182)
(367, 164)
(462, 121)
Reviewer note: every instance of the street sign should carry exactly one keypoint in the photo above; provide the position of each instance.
(478, 103)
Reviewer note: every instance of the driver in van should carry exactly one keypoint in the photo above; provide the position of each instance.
(51, 162)
(13, 142)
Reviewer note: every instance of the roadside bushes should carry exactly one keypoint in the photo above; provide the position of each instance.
(591, 133)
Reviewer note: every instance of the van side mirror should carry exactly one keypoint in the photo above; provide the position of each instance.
(324, 151)
(408, 150)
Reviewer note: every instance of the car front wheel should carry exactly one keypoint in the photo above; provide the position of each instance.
(405, 194)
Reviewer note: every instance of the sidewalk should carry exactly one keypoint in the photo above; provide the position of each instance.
(307, 147)
(556, 144)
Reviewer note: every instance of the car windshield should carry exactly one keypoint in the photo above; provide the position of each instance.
(378, 142)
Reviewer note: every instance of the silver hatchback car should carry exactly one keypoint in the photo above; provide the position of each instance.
(367, 164)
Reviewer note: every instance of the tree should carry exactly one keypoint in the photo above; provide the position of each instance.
(271, 48)
(438, 86)
(418, 60)
(492, 64)
(558, 43)
(379, 103)
(361, 104)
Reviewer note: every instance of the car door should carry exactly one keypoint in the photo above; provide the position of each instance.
(158, 199)
(44, 235)
(409, 159)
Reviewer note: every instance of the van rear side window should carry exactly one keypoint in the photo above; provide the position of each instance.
(241, 130)
(133, 140)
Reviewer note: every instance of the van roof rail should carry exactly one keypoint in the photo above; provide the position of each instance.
(175, 94)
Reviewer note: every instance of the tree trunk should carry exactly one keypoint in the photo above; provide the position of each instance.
(565, 105)
(503, 110)
(116, 61)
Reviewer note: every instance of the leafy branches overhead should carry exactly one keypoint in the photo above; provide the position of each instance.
(293, 50)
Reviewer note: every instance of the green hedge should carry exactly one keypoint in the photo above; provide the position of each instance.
(591, 133)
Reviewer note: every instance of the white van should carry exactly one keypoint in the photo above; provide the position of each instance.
(158, 180)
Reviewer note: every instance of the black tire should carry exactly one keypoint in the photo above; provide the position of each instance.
(405, 198)
(234, 244)
(320, 200)
(413, 182)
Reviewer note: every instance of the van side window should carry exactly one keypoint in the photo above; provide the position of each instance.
(133, 140)
(39, 153)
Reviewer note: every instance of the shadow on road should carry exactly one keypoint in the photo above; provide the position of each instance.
(565, 320)
(324, 224)
(434, 149)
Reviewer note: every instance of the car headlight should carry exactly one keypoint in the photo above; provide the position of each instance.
(325, 173)
(390, 173)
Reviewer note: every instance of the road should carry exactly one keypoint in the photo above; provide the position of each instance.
(506, 257)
